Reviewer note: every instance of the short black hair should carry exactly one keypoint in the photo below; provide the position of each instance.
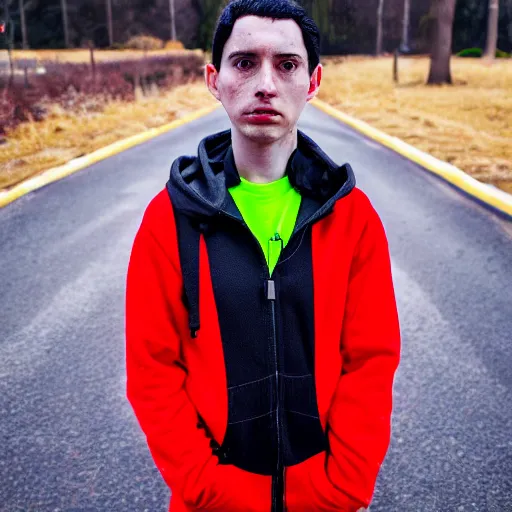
(274, 9)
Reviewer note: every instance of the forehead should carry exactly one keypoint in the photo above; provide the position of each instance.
(265, 35)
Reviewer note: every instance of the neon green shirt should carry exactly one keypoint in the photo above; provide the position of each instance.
(270, 211)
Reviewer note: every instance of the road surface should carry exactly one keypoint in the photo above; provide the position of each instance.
(69, 440)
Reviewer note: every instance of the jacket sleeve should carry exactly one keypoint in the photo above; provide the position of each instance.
(155, 388)
(359, 421)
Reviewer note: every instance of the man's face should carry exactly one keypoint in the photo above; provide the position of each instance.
(264, 66)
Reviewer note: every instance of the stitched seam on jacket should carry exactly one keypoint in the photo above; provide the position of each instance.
(250, 419)
(252, 382)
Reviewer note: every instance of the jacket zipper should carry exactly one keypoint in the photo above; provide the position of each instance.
(278, 478)
(278, 487)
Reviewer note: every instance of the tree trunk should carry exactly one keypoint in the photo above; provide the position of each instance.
(378, 45)
(404, 46)
(9, 37)
(11, 65)
(441, 43)
(492, 30)
(395, 66)
(321, 13)
(24, 35)
(109, 23)
(64, 8)
(173, 20)
(93, 61)
(509, 8)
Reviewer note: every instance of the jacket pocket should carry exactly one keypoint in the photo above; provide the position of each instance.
(309, 489)
(226, 488)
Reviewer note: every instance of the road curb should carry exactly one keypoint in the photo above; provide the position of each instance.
(77, 164)
(491, 197)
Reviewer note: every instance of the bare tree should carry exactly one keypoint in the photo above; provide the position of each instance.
(8, 29)
(24, 35)
(109, 23)
(492, 30)
(404, 45)
(380, 11)
(509, 10)
(173, 20)
(443, 12)
(64, 8)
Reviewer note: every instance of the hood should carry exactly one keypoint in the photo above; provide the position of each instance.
(198, 184)
(198, 188)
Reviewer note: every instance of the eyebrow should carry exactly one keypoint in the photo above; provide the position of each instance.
(253, 54)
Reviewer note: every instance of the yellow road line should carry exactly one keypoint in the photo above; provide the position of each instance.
(491, 196)
(77, 164)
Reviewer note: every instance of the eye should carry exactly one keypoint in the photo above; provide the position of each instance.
(290, 65)
(240, 63)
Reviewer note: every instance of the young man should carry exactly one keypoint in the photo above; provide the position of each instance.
(262, 331)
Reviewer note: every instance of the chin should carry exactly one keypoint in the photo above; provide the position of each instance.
(262, 133)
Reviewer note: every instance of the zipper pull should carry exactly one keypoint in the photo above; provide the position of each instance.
(275, 247)
(271, 289)
(277, 238)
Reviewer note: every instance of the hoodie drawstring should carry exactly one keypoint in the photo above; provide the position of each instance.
(189, 238)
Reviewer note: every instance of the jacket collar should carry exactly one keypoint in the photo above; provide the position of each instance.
(309, 169)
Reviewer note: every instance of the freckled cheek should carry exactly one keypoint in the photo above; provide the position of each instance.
(235, 94)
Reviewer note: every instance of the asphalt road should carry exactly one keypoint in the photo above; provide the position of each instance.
(68, 437)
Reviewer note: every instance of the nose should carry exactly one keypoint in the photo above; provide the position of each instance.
(266, 83)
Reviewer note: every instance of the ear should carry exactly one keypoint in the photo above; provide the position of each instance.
(314, 82)
(210, 76)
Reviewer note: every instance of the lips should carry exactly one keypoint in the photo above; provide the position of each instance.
(263, 111)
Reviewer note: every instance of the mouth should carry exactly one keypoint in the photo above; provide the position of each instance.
(263, 112)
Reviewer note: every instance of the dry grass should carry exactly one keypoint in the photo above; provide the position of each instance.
(34, 147)
(468, 124)
(83, 55)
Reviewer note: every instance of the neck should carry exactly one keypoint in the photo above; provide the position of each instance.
(260, 162)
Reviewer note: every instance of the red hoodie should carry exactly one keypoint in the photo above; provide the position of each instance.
(262, 393)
